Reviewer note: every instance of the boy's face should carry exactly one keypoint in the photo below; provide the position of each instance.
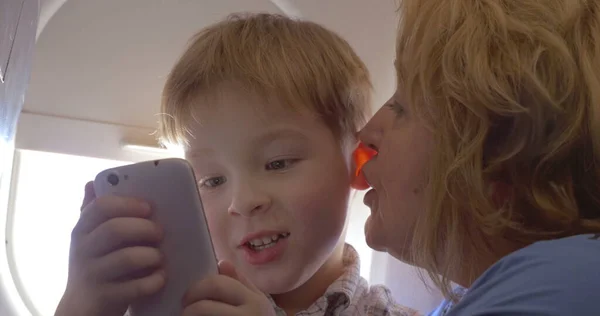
(275, 187)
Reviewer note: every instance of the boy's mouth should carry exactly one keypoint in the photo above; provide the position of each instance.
(258, 244)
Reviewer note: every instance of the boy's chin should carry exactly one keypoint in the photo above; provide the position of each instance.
(274, 283)
(277, 279)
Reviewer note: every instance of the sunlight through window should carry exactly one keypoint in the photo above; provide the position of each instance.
(356, 233)
(48, 192)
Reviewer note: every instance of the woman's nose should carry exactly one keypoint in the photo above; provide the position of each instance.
(370, 136)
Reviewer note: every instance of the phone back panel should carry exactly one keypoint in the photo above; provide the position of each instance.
(170, 187)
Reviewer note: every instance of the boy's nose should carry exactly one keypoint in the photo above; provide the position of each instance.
(248, 200)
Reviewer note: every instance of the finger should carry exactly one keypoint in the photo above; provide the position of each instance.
(104, 208)
(117, 233)
(211, 308)
(217, 288)
(227, 268)
(124, 263)
(89, 195)
(139, 288)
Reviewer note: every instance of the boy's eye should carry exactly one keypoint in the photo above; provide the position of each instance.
(280, 164)
(213, 182)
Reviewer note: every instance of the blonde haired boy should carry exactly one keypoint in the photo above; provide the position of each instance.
(267, 108)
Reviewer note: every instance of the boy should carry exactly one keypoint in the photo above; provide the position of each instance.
(267, 108)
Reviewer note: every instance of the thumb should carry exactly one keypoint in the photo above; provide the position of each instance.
(89, 196)
(227, 268)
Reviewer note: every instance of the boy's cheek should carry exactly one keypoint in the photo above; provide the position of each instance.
(317, 204)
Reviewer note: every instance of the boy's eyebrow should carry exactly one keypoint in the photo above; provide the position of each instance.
(279, 133)
(262, 140)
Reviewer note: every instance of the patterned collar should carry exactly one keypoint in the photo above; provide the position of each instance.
(350, 294)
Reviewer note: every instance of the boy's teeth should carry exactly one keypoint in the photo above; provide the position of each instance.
(266, 241)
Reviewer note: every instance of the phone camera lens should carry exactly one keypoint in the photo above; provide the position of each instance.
(113, 179)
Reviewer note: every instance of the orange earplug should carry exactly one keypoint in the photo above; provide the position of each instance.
(360, 156)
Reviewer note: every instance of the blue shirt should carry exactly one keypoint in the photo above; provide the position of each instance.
(447, 304)
(556, 277)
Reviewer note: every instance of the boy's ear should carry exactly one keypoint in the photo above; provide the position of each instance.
(361, 155)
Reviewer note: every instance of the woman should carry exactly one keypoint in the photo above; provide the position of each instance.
(487, 172)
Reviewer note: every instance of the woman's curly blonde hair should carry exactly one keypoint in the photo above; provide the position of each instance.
(511, 89)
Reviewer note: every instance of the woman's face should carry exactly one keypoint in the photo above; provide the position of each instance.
(398, 176)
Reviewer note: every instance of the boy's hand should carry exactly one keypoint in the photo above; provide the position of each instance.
(113, 259)
(227, 294)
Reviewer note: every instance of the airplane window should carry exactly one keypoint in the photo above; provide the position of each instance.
(47, 193)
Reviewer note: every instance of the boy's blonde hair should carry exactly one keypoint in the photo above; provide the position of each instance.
(511, 91)
(298, 63)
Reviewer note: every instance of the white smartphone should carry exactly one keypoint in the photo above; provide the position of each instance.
(170, 187)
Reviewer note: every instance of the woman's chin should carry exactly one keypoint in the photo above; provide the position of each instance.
(371, 235)
(368, 226)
